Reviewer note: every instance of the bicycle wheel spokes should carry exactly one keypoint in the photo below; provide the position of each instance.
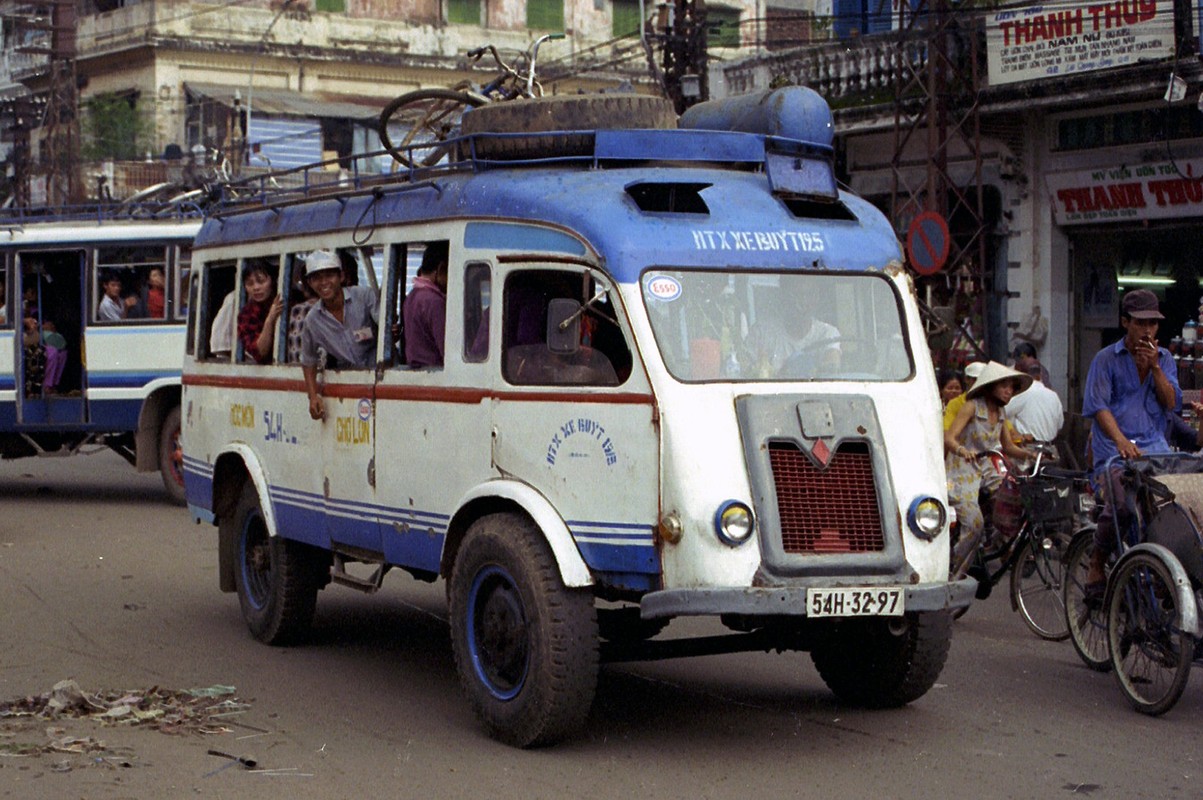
(1037, 590)
(1086, 621)
(1149, 650)
(425, 117)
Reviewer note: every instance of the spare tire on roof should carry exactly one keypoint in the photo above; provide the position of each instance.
(582, 112)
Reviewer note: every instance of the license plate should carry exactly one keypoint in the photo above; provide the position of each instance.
(886, 601)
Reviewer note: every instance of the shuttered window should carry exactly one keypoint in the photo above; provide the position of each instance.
(463, 12)
(722, 26)
(546, 15)
(626, 19)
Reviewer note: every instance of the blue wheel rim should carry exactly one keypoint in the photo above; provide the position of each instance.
(497, 633)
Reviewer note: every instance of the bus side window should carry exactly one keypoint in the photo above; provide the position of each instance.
(415, 337)
(131, 283)
(298, 301)
(5, 317)
(193, 289)
(477, 294)
(180, 293)
(217, 312)
(528, 357)
(257, 341)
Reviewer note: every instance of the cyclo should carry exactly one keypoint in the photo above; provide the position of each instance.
(630, 424)
(1034, 516)
(1146, 627)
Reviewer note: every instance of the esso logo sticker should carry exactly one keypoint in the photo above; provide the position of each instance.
(365, 409)
(662, 287)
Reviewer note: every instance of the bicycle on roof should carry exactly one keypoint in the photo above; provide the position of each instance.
(1146, 625)
(432, 116)
(1035, 515)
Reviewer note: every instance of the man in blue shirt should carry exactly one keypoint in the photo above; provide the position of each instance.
(1131, 388)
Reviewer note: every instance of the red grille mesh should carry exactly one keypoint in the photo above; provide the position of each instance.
(826, 511)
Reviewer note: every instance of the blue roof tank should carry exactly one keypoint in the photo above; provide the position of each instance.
(793, 112)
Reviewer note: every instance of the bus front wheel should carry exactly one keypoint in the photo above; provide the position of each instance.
(525, 645)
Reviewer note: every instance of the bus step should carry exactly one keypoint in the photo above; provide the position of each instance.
(367, 585)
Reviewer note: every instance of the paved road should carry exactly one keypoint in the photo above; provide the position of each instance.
(103, 582)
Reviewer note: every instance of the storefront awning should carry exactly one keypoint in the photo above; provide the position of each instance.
(275, 103)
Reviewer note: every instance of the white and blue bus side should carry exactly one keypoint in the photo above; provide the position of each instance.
(117, 383)
(684, 375)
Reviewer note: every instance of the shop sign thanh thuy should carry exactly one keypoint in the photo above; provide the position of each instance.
(1159, 190)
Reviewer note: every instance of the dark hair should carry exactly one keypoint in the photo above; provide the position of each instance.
(1033, 368)
(434, 256)
(1024, 349)
(257, 266)
(944, 376)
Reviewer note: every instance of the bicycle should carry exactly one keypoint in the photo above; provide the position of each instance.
(1155, 587)
(1049, 511)
(432, 116)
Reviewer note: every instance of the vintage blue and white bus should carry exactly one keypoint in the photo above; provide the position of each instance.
(80, 369)
(682, 374)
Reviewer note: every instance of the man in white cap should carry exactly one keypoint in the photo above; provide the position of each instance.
(342, 324)
(972, 371)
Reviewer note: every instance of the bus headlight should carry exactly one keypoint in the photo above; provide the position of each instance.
(926, 517)
(734, 523)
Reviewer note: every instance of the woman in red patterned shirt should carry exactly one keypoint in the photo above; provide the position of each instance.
(259, 315)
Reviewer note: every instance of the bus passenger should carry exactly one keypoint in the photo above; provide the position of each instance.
(156, 305)
(343, 324)
(113, 308)
(258, 317)
(221, 335)
(425, 310)
(301, 299)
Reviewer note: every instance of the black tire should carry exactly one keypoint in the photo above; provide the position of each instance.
(171, 457)
(1087, 626)
(525, 646)
(1037, 586)
(880, 663)
(1150, 652)
(429, 115)
(277, 579)
(562, 113)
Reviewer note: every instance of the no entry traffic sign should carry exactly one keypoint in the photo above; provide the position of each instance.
(927, 243)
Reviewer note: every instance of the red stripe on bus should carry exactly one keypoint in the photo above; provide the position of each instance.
(420, 393)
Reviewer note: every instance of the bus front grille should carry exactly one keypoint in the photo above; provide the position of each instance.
(827, 510)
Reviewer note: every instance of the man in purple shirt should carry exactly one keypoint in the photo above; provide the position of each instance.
(1131, 388)
(425, 310)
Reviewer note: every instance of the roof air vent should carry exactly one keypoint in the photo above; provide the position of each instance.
(669, 198)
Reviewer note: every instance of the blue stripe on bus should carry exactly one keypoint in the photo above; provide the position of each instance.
(414, 537)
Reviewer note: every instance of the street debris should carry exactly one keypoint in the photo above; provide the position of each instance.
(204, 710)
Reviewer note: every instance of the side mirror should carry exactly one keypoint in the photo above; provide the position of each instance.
(563, 325)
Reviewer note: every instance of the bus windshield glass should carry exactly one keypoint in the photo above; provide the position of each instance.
(815, 326)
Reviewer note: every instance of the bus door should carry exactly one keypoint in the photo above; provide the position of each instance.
(51, 374)
(574, 417)
(348, 439)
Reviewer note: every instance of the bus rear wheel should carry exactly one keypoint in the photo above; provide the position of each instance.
(171, 456)
(525, 645)
(277, 579)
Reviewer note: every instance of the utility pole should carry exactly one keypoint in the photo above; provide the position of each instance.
(59, 161)
(681, 29)
(936, 106)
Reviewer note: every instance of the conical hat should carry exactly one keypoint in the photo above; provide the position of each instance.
(995, 373)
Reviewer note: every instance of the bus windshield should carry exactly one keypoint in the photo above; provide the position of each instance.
(720, 326)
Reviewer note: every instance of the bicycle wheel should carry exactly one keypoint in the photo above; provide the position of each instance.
(429, 117)
(1037, 590)
(1086, 622)
(1150, 652)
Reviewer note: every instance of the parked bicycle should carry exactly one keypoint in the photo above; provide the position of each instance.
(431, 117)
(1035, 515)
(1146, 627)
